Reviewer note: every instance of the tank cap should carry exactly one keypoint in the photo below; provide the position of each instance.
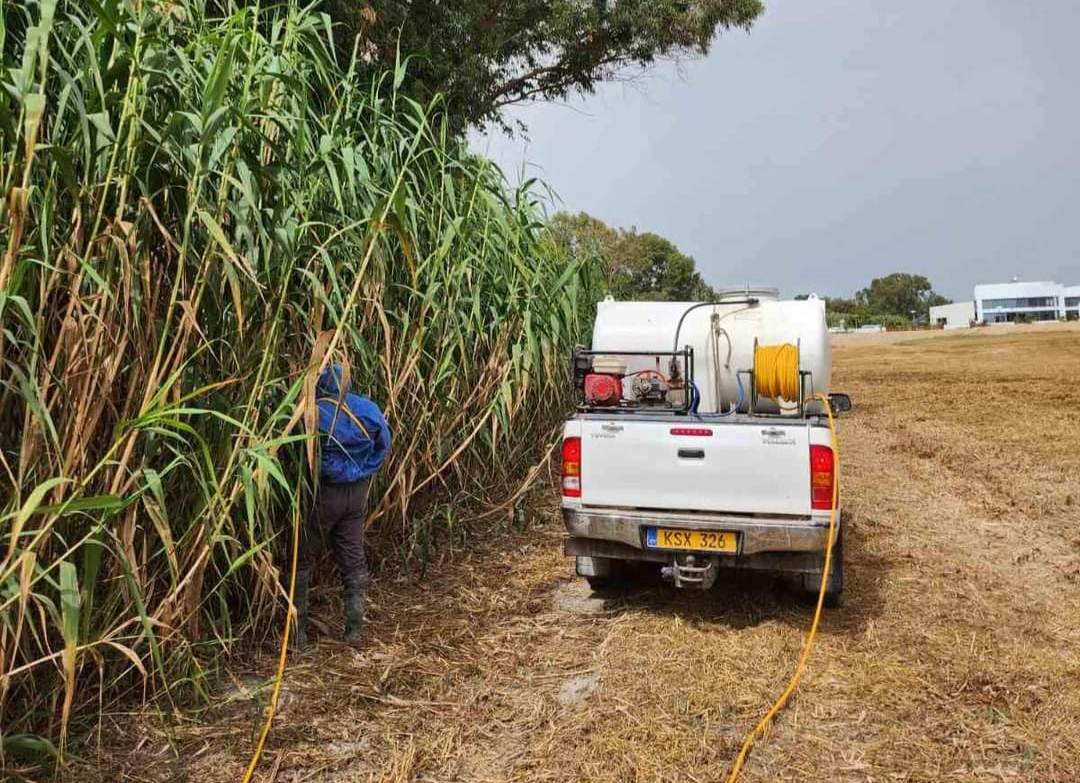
(761, 293)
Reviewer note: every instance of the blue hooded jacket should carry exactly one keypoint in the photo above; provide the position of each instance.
(354, 436)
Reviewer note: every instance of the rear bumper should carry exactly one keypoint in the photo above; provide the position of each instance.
(784, 544)
(756, 534)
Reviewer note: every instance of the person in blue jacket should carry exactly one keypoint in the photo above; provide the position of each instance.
(354, 439)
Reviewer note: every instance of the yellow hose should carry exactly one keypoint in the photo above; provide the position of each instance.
(763, 725)
(776, 371)
(276, 692)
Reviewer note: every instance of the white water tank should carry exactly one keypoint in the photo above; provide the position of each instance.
(722, 336)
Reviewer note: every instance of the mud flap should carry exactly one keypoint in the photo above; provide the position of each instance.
(593, 566)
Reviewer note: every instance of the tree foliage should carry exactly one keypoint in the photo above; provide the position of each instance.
(888, 300)
(485, 55)
(635, 265)
(900, 293)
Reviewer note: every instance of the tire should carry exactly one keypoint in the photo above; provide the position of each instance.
(601, 584)
(615, 578)
(834, 587)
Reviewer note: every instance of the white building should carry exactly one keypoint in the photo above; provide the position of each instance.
(958, 315)
(1072, 302)
(1020, 301)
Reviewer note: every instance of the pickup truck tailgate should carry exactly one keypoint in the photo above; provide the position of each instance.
(727, 467)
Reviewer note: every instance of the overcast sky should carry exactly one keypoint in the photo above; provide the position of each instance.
(838, 141)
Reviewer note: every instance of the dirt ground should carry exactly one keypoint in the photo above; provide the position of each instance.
(955, 657)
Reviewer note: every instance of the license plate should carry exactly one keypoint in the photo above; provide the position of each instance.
(698, 540)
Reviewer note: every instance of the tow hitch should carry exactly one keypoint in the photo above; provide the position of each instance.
(686, 570)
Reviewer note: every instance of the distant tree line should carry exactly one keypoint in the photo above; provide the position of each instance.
(892, 300)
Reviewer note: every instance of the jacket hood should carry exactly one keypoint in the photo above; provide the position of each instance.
(330, 381)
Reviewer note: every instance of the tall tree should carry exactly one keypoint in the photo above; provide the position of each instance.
(584, 235)
(900, 294)
(635, 265)
(484, 55)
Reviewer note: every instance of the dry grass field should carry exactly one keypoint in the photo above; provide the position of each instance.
(956, 655)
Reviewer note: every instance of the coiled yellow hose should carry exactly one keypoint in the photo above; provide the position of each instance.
(776, 371)
(763, 724)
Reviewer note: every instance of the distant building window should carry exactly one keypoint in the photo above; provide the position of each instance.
(1072, 301)
(1021, 317)
(1016, 304)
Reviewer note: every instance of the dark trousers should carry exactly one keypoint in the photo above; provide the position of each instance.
(337, 521)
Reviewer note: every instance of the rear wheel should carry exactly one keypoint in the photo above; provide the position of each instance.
(600, 584)
(602, 573)
(834, 587)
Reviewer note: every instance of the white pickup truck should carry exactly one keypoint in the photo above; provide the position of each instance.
(650, 473)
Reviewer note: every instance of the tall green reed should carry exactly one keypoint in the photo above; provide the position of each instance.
(201, 209)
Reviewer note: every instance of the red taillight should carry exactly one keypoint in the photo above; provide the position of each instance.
(571, 467)
(822, 477)
(699, 431)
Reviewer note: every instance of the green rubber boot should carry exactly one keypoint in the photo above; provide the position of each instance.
(355, 606)
(301, 602)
